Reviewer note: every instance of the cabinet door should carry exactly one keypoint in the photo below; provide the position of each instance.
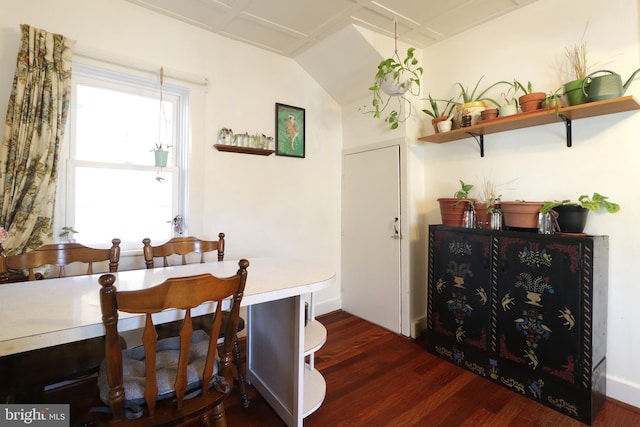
(539, 302)
(459, 293)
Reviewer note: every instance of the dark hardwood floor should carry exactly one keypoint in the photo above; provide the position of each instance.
(376, 378)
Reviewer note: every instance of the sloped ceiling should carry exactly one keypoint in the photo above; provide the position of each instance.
(321, 33)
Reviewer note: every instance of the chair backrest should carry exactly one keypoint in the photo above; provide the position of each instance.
(182, 246)
(184, 293)
(61, 255)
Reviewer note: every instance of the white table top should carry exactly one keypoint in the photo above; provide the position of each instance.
(44, 313)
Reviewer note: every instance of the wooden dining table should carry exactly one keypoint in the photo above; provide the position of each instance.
(50, 314)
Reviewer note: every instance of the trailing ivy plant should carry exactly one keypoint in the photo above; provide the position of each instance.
(406, 74)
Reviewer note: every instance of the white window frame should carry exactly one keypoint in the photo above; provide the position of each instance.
(105, 77)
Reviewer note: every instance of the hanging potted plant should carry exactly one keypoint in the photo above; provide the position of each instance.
(435, 112)
(452, 208)
(161, 155)
(395, 79)
(572, 216)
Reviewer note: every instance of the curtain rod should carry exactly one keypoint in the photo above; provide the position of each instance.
(138, 66)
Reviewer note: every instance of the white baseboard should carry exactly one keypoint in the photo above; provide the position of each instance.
(624, 391)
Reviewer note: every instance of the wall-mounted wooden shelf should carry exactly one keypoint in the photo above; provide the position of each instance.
(245, 150)
(537, 118)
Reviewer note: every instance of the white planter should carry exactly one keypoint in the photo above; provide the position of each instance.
(392, 87)
(508, 110)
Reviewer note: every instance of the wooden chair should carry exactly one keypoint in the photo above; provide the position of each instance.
(183, 247)
(184, 293)
(73, 361)
(60, 255)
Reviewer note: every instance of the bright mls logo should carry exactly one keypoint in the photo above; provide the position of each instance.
(34, 415)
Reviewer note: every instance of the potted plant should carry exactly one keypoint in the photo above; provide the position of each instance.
(394, 79)
(436, 113)
(66, 234)
(530, 101)
(553, 100)
(510, 105)
(452, 208)
(572, 216)
(487, 205)
(520, 214)
(489, 113)
(472, 103)
(161, 155)
(577, 57)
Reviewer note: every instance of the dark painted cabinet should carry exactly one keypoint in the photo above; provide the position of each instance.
(527, 311)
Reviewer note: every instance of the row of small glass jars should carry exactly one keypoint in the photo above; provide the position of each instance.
(259, 140)
(494, 220)
(547, 222)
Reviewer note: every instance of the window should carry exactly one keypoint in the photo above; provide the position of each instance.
(112, 187)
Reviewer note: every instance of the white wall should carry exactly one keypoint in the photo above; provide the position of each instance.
(529, 45)
(267, 206)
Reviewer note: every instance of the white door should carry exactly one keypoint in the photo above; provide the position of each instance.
(371, 236)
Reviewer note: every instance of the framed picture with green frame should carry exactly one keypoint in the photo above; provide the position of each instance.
(290, 131)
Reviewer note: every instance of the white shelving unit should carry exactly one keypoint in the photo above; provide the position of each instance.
(280, 357)
(315, 387)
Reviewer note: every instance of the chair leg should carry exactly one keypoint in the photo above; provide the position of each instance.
(219, 418)
(242, 382)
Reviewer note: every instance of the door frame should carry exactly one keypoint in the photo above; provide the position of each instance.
(405, 242)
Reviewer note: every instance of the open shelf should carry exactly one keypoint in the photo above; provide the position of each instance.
(536, 118)
(315, 335)
(315, 390)
(245, 150)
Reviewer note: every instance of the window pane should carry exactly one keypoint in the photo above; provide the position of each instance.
(119, 127)
(122, 203)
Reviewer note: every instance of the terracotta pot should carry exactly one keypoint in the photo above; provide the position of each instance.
(531, 101)
(490, 113)
(571, 218)
(521, 214)
(437, 120)
(452, 210)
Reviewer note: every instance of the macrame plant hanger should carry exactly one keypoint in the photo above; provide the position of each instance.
(161, 122)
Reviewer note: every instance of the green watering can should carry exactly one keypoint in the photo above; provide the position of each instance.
(605, 87)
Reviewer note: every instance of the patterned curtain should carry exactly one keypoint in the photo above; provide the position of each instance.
(34, 127)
